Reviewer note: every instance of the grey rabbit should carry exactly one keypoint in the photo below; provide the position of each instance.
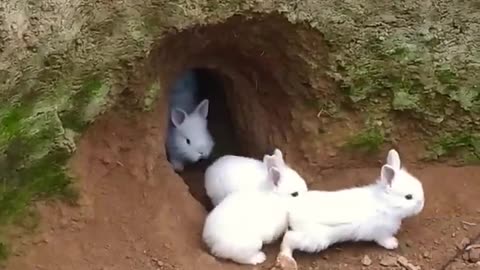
(188, 138)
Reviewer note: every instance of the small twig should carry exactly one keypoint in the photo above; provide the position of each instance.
(469, 223)
(120, 164)
(472, 247)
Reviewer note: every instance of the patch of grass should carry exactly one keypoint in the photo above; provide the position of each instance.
(150, 95)
(31, 164)
(73, 117)
(450, 144)
(404, 101)
(44, 178)
(3, 251)
(10, 122)
(369, 140)
(32, 177)
(28, 221)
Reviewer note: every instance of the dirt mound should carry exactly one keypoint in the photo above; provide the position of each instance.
(135, 213)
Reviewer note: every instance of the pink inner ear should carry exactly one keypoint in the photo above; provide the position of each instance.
(388, 174)
(178, 117)
(274, 175)
(202, 108)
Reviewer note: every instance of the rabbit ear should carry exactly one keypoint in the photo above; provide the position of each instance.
(202, 108)
(274, 175)
(269, 161)
(277, 154)
(393, 159)
(387, 175)
(178, 116)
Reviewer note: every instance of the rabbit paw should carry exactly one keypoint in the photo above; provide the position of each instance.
(258, 258)
(388, 243)
(285, 262)
(177, 165)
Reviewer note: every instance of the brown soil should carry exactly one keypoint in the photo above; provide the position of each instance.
(135, 213)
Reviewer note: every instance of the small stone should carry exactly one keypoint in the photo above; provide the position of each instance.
(42, 239)
(427, 255)
(332, 153)
(406, 264)
(465, 241)
(388, 18)
(402, 260)
(63, 223)
(465, 256)
(388, 261)
(366, 261)
(474, 255)
(105, 160)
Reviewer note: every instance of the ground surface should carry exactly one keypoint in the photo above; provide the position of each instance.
(120, 222)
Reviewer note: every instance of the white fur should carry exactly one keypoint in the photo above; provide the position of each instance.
(188, 138)
(230, 173)
(374, 212)
(237, 228)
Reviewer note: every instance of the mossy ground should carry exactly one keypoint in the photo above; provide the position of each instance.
(35, 149)
(368, 140)
(464, 144)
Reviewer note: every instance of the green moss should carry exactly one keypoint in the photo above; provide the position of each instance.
(400, 72)
(150, 95)
(390, 70)
(467, 144)
(73, 117)
(368, 140)
(405, 101)
(323, 106)
(44, 178)
(3, 251)
(29, 221)
(11, 121)
(33, 152)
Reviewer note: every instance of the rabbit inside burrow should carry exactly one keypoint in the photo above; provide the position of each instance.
(188, 138)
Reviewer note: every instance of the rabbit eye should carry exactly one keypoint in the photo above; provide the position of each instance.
(408, 196)
(188, 140)
(294, 194)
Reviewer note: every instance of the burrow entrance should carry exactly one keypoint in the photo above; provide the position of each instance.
(258, 75)
(212, 85)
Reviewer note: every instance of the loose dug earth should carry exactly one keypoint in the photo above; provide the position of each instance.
(121, 222)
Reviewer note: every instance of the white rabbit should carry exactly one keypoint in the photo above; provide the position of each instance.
(237, 228)
(233, 173)
(318, 219)
(188, 138)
